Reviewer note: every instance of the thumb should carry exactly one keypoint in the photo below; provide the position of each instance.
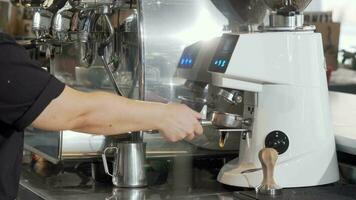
(197, 115)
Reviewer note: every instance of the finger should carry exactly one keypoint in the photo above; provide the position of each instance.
(166, 137)
(172, 135)
(198, 130)
(181, 133)
(174, 138)
(189, 137)
(197, 115)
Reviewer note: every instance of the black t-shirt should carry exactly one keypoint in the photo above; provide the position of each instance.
(25, 91)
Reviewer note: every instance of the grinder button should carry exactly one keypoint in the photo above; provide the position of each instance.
(277, 140)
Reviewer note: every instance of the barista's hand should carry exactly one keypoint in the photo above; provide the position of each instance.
(179, 122)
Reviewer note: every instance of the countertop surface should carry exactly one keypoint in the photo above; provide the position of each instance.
(181, 184)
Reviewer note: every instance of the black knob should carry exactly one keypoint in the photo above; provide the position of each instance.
(277, 140)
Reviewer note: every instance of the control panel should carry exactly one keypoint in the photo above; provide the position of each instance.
(189, 56)
(223, 53)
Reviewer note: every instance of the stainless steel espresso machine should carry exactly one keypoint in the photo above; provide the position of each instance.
(126, 47)
(78, 39)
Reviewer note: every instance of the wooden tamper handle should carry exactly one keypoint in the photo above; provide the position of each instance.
(268, 158)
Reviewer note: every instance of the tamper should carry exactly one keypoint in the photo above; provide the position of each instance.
(268, 158)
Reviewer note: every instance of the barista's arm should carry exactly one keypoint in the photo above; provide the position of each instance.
(108, 114)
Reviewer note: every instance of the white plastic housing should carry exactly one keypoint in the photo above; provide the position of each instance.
(287, 69)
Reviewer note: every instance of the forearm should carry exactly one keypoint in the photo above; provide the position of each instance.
(110, 114)
(98, 113)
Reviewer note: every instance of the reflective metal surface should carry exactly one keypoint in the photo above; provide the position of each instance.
(79, 147)
(129, 194)
(93, 4)
(43, 141)
(61, 23)
(143, 55)
(186, 24)
(287, 15)
(41, 22)
(233, 97)
(5, 10)
(287, 5)
(177, 178)
(269, 191)
(31, 3)
(242, 13)
(128, 164)
(226, 120)
(286, 21)
(165, 40)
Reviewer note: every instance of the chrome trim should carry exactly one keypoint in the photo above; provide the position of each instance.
(140, 30)
(141, 62)
(60, 145)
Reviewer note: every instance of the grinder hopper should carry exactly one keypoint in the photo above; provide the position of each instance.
(242, 14)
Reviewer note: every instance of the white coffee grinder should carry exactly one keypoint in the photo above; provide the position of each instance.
(284, 65)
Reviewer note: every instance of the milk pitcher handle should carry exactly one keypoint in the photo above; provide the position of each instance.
(106, 168)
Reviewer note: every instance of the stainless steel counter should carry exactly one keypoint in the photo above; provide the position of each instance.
(181, 183)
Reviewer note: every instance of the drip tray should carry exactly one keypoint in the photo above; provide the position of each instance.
(339, 192)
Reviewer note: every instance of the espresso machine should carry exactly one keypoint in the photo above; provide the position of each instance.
(141, 65)
(136, 64)
(70, 34)
(283, 65)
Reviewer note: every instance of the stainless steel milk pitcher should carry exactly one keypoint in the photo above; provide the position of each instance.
(128, 164)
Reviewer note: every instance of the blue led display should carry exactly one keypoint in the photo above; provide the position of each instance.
(186, 62)
(223, 63)
(189, 56)
(223, 53)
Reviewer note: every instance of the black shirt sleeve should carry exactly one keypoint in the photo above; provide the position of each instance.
(25, 88)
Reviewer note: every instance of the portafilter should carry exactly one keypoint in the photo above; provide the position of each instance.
(224, 120)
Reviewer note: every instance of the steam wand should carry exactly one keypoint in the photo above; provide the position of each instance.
(101, 53)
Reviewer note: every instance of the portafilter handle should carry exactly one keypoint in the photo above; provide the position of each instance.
(204, 122)
(268, 158)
